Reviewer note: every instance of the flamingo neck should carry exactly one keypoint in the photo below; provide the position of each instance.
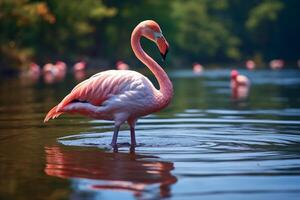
(165, 92)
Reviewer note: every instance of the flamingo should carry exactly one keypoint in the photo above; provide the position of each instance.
(79, 70)
(237, 79)
(250, 64)
(276, 64)
(79, 66)
(239, 85)
(122, 66)
(197, 68)
(34, 69)
(49, 68)
(62, 69)
(122, 95)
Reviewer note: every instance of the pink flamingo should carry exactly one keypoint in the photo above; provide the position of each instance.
(79, 66)
(50, 72)
(122, 95)
(61, 69)
(250, 64)
(237, 79)
(239, 85)
(276, 64)
(34, 69)
(122, 66)
(54, 73)
(197, 68)
(49, 68)
(79, 70)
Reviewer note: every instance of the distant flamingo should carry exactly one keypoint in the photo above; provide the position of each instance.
(62, 69)
(122, 66)
(33, 72)
(239, 85)
(49, 68)
(276, 64)
(197, 68)
(237, 79)
(122, 95)
(250, 64)
(79, 70)
(34, 69)
(79, 66)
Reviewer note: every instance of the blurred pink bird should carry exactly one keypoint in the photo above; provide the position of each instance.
(122, 66)
(122, 95)
(197, 68)
(239, 85)
(79, 70)
(62, 69)
(276, 64)
(250, 64)
(50, 72)
(49, 68)
(79, 66)
(34, 69)
(237, 79)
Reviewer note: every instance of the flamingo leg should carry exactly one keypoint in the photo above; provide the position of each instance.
(115, 137)
(132, 123)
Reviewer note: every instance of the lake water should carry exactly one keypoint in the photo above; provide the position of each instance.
(208, 144)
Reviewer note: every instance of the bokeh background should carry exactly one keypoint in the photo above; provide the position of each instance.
(98, 31)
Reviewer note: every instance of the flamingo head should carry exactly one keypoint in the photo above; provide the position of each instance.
(152, 31)
(234, 74)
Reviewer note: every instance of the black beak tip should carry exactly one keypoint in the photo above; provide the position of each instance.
(164, 55)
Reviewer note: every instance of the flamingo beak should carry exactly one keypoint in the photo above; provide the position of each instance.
(163, 47)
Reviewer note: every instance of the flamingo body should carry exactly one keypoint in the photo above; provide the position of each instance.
(238, 79)
(240, 85)
(112, 95)
(122, 95)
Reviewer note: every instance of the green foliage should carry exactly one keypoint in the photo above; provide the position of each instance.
(44, 29)
(203, 35)
(197, 30)
(265, 12)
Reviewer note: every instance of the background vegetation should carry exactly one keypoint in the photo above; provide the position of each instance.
(206, 31)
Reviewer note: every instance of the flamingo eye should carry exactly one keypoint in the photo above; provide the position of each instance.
(157, 35)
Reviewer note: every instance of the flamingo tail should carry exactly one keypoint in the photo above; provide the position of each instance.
(53, 113)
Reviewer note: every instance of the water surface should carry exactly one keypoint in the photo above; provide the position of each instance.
(208, 144)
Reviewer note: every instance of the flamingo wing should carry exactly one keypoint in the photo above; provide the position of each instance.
(118, 90)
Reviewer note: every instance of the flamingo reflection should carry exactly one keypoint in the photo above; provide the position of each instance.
(95, 170)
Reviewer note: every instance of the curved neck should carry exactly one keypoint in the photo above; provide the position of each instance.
(165, 85)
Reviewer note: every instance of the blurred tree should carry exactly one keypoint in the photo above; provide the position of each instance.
(263, 27)
(17, 18)
(47, 29)
(203, 32)
(197, 30)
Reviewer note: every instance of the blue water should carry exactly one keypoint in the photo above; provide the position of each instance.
(207, 144)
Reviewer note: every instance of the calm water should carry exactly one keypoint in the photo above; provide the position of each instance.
(206, 145)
